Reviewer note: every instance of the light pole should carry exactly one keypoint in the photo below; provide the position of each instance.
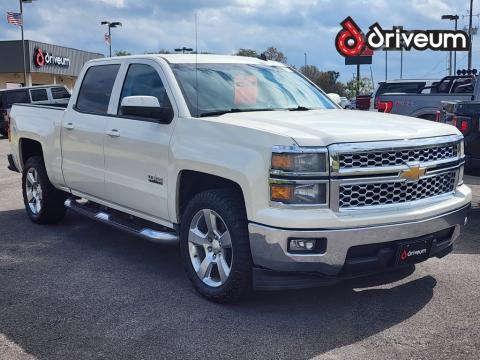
(305, 60)
(454, 18)
(470, 36)
(401, 63)
(23, 42)
(111, 25)
(184, 49)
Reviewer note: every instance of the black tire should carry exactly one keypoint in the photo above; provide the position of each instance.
(4, 132)
(230, 206)
(52, 203)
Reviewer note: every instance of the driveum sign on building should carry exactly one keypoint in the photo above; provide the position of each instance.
(45, 64)
(42, 58)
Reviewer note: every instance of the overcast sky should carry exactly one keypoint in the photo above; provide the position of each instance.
(293, 26)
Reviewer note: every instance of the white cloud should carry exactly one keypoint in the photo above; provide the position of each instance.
(115, 3)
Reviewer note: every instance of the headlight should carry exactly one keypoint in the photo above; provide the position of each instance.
(298, 193)
(299, 161)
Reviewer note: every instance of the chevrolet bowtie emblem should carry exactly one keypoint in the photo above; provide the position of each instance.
(413, 173)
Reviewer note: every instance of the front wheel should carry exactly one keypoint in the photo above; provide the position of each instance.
(215, 245)
(43, 202)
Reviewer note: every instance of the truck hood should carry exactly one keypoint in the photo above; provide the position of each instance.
(326, 127)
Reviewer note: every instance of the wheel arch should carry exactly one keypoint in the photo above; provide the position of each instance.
(192, 182)
(28, 148)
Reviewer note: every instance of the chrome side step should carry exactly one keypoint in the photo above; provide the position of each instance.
(157, 236)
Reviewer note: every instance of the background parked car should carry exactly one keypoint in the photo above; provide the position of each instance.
(425, 103)
(465, 116)
(402, 86)
(47, 95)
(362, 102)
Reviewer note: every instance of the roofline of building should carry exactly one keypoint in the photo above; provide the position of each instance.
(66, 47)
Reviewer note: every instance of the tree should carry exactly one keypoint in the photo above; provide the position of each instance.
(366, 87)
(122, 53)
(272, 53)
(247, 52)
(325, 80)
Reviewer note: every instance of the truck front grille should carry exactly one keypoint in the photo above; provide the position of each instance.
(381, 158)
(373, 175)
(387, 193)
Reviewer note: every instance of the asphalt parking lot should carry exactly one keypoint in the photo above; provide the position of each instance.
(81, 290)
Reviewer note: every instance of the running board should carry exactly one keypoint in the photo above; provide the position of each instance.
(161, 237)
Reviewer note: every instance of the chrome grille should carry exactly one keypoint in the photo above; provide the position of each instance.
(384, 158)
(387, 193)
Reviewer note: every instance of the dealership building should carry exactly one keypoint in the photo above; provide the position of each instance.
(45, 64)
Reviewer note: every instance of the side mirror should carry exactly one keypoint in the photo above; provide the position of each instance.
(147, 108)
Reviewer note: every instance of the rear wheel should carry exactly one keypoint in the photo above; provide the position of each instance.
(43, 202)
(215, 245)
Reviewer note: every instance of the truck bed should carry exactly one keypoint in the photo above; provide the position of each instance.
(40, 123)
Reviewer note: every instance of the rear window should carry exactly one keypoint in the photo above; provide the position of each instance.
(96, 89)
(39, 95)
(17, 97)
(408, 88)
(60, 93)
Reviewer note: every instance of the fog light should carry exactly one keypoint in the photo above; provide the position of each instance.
(306, 246)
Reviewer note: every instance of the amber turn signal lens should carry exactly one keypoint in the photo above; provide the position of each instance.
(282, 162)
(281, 192)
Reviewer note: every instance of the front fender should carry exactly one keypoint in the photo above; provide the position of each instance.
(236, 153)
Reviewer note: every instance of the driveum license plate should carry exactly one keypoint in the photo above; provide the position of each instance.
(413, 252)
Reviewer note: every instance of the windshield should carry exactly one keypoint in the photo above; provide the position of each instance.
(246, 87)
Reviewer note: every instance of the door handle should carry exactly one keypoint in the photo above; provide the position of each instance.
(113, 133)
(69, 126)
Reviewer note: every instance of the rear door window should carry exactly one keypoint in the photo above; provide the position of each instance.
(17, 97)
(407, 88)
(60, 93)
(96, 89)
(39, 95)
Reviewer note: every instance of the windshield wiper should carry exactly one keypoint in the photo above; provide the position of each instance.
(299, 108)
(229, 111)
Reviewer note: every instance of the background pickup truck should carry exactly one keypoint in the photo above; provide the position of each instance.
(47, 95)
(465, 116)
(425, 105)
(259, 178)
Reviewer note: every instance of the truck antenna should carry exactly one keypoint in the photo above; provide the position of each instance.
(196, 60)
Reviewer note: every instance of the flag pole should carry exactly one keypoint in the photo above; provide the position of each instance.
(23, 47)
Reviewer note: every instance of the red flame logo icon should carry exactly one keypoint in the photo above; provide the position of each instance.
(39, 58)
(404, 255)
(350, 40)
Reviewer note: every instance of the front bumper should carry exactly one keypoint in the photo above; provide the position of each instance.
(269, 245)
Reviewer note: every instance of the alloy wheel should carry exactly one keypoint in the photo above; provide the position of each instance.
(210, 248)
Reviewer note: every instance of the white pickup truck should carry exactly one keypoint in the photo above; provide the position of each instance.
(260, 178)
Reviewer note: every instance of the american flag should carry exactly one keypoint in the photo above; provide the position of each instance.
(108, 40)
(14, 18)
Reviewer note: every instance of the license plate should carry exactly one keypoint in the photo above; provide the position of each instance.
(413, 252)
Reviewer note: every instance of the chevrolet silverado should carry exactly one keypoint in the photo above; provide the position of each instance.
(261, 180)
